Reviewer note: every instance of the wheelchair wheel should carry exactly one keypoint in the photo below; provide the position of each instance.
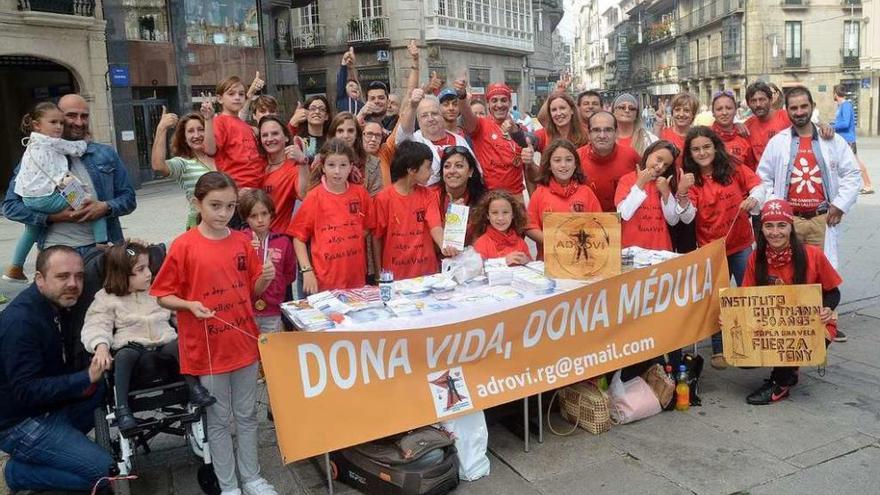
(103, 439)
(208, 480)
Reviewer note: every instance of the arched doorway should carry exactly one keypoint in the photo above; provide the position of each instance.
(24, 81)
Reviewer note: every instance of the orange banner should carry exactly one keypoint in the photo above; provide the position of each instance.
(331, 390)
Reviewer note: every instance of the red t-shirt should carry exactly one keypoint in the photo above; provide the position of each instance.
(541, 136)
(604, 172)
(819, 271)
(282, 185)
(760, 131)
(494, 244)
(678, 140)
(499, 157)
(806, 190)
(625, 141)
(335, 225)
(221, 275)
(647, 228)
(544, 200)
(718, 205)
(404, 224)
(738, 147)
(237, 153)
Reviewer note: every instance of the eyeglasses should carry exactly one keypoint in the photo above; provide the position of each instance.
(318, 109)
(626, 108)
(429, 115)
(453, 150)
(372, 135)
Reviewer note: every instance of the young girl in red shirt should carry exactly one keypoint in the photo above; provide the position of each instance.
(233, 144)
(562, 188)
(332, 223)
(258, 210)
(780, 259)
(211, 277)
(406, 224)
(499, 220)
(646, 199)
(722, 195)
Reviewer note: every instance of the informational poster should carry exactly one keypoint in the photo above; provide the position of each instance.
(455, 228)
(581, 246)
(776, 325)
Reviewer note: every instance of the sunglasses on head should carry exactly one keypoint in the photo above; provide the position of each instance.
(453, 150)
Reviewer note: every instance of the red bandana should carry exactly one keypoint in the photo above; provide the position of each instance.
(563, 191)
(503, 240)
(778, 259)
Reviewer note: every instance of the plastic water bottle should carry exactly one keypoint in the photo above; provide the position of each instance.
(682, 390)
(386, 285)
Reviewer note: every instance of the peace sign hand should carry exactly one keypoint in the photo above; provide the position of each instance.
(207, 108)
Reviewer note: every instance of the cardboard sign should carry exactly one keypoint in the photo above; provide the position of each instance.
(581, 246)
(334, 389)
(777, 325)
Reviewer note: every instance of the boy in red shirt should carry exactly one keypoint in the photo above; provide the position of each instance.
(406, 217)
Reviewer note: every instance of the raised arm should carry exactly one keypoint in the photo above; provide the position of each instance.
(160, 143)
(407, 122)
(468, 119)
(207, 111)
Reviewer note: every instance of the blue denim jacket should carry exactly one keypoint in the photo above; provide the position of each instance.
(110, 179)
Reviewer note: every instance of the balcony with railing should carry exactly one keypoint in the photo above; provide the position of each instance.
(794, 4)
(309, 37)
(849, 59)
(83, 8)
(466, 27)
(851, 4)
(713, 66)
(684, 72)
(664, 30)
(731, 63)
(368, 29)
(708, 14)
(796, 63)
(693, 69)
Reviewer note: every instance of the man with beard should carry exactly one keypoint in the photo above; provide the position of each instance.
(818, 177)
(604, 161)
(48, 404)
(105, 177)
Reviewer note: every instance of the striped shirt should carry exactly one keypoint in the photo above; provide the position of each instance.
(186, 172)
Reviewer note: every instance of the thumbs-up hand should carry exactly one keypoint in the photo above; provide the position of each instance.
(687, 180)
(255, 241)
(663, 186)
(528, 153)
(413, 50)
(460, 86)
(207, 108)
(168, 120)
(299, 115)
(256, 85)
(435, 83)
(295, 151)
(417, 95)
(268, 270)
(352, 59)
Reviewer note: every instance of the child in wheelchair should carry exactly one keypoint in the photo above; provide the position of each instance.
(125, 319)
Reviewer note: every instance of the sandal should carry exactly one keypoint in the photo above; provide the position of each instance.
(866, 190)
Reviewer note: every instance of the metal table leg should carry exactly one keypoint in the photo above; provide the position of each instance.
(526, 424)
(540, 420)
(329, 473)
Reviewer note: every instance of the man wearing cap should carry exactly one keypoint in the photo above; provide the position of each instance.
(819, 177)
(603, 161)
(504, 161)
(427, 111)
(449, 103)
(780, 259)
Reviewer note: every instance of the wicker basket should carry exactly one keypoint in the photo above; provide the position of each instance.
(584, 405)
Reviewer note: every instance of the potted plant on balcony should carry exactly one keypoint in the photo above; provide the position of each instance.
(354, 31)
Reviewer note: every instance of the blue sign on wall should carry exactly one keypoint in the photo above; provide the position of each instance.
(119, 76)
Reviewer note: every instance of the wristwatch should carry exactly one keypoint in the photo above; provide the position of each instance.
(305, 270)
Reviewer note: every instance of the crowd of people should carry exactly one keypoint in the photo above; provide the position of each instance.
(343, 190)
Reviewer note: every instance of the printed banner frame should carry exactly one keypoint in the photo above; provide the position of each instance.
(331, 390)
(581, 246)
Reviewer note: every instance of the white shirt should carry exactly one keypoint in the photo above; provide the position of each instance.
(435, 150)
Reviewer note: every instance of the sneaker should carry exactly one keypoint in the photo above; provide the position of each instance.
(15, 274)
(768, 393)
(840, 337)
(258, 486)
(718, 362)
